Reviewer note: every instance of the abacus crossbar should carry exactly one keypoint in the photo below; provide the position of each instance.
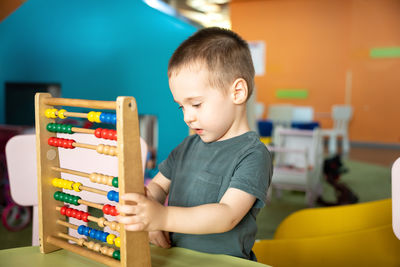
(83, 252)
(80, 103)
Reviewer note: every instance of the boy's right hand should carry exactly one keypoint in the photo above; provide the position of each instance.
(160, 239)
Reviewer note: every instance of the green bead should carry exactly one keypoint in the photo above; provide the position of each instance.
(48, 127)
(60, 197)
(58, 128)
(75, 201)
(115, 182)
(69, 129)
(63, 128)
(117, 255)
(57, 195)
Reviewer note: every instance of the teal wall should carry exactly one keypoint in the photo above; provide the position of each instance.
(97, 49)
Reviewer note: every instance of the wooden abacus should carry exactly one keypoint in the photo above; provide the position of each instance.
(134, 247)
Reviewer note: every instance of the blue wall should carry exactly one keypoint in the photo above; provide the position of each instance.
(97, 49)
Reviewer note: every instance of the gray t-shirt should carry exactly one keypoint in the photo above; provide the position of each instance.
(201, 173)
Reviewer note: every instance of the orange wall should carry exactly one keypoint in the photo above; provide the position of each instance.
(312, 44)
(8, 6)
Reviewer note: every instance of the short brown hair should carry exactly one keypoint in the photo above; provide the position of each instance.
(225, 54)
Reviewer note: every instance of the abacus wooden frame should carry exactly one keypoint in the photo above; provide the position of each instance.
(130, 178)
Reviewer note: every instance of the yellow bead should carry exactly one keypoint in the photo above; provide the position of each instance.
(97, 117)
(110, 239)
(76, 187)
(69, 185)
(47, 113)
(90, 116)
(54, 182)
(61, 114)
(53, 113)
(58, 182)
(117, 242)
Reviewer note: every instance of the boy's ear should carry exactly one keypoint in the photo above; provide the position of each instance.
(239, 91)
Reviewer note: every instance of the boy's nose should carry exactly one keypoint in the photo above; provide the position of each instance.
(188, 117)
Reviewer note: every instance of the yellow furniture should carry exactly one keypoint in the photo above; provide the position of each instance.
(351, 235)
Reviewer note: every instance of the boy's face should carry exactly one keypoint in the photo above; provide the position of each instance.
(208, 111)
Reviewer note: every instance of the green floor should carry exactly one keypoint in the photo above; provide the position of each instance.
(369, 182)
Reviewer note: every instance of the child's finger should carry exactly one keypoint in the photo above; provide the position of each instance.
(133, 197)
(128, 219)
(166, 235)
(127, 209)
(135, 227)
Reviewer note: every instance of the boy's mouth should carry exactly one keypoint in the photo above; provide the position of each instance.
(198, 131)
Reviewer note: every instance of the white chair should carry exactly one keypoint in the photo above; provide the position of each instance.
(280, 114)
(298, 159)
(22, 172)
(341, 116)
(396, 198)
(303, 114)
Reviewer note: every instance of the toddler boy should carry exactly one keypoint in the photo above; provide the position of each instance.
(216, 180)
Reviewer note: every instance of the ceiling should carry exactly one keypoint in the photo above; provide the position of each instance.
(205, 12)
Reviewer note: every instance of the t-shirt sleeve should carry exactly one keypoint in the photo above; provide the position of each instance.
(166, 166)
(253, 174)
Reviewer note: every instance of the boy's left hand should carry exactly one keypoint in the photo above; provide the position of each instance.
(145, 215)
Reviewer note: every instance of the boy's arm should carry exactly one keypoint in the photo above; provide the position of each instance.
(158, 188)
(149, 215)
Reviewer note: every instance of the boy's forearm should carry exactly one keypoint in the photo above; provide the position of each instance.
(204, 219)
(157, 192)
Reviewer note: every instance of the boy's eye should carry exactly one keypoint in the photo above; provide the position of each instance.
(180, 107)
(196, 105)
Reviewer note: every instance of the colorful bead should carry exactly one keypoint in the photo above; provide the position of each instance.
(51, 113)
(61, 196)
(117, 242)
(76, 187)
(61, 114)
(117, 255)
(110, 239)
(94, 116)
(115, 182)
(113, 196)
(61, 142)
(108, 118)
(81, 229)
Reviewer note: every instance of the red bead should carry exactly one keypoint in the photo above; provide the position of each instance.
(63, 209)
(68, 212)
(73, 213)
(65, 143)
(97, 132)
(78, 215)
(104, 133)
(111, 134)
(114, 212)
(106, 209)
(115, 135)
(85, 216)
(71, 141)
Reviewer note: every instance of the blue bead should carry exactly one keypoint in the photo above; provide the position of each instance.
(109, 117)
(116, 197)
(92, 233)
(98, 235)
(104, 237)
(114, 119)
(110, 195)
(81, 229)
(86, 231)
(102, 117)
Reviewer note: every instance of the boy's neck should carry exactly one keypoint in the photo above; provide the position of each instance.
(240, 125)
